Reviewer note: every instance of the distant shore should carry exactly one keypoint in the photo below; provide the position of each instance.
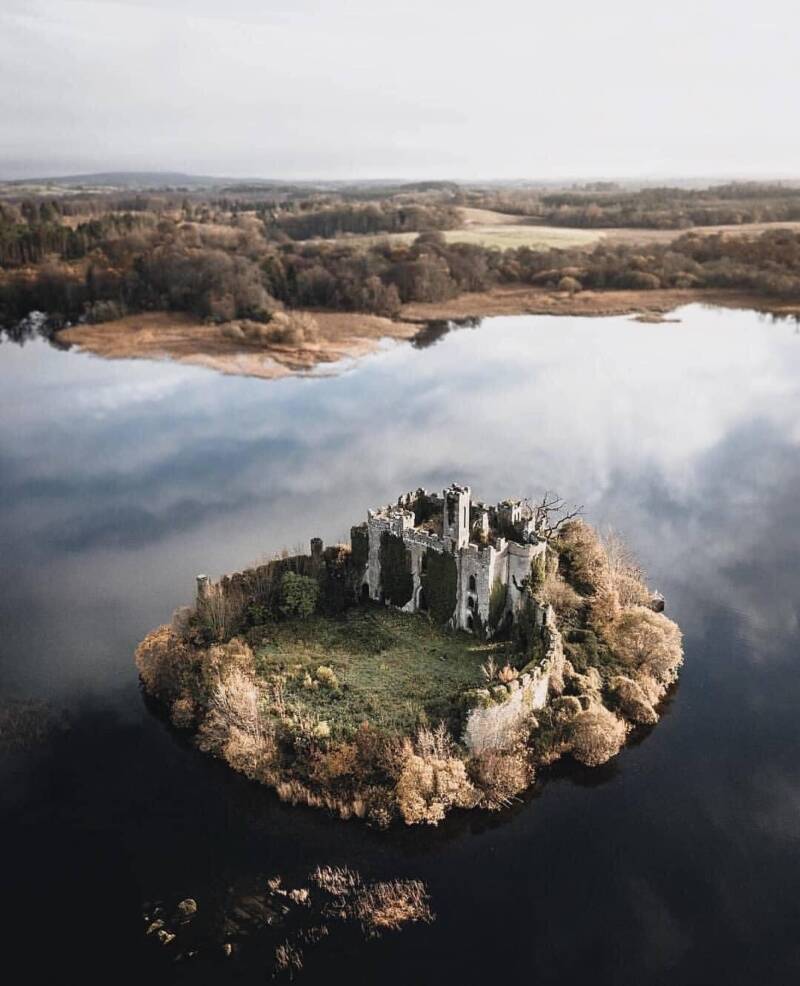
(521, 299)
(184, 339)
(351, 335)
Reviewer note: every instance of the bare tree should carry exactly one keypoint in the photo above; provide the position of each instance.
(551, 514)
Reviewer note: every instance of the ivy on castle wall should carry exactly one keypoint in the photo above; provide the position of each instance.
(396, 580)
(497, 604)
(424, 507)
(538, 572)
(359, 539)
(440, 582)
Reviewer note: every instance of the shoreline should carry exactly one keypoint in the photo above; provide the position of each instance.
(183, 339)
(522, 299)
(352, 335)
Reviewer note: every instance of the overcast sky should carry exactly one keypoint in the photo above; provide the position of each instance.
(400, 88)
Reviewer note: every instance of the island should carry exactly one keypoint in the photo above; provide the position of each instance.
(453, 649)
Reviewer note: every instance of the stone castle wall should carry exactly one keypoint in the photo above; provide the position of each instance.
(478, 566)
(494, 722)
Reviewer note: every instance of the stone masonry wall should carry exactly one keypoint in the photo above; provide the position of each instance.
(493, 724)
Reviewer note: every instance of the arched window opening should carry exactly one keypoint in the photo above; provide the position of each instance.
(473, 585)
(470, 622)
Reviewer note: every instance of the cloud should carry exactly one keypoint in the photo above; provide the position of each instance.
(352, 88)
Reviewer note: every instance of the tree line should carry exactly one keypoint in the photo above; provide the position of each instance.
(374, 218)
(169, 267)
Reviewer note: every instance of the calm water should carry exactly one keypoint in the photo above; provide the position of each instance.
(678, 863)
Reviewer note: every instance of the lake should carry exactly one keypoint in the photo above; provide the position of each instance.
(679, 862)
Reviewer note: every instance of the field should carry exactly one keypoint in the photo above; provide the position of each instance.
(502, 231)
(393, 668)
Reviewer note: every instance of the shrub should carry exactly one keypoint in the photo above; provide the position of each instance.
(565, 709)
(103, 311)
(431, 780)
(604, 607)
(585, 649)
(165, 663)
(327, 677)
(429, 786)
(588, 684)
(638, 280)
(237, 701)
(499, 776)
(596, 735)
(581, 556)
(222, 659)
(389, 905)
(631, 701)
(650, 642)
(340, 761)
(298, 595)
(559, 594)
(283, 328)
(624, 571)
(569, 284)
(183, 712)
(247, 753)
(221, 610)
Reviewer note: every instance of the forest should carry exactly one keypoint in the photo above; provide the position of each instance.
(221, 258)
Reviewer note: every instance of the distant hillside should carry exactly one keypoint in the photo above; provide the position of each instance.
(124, 179)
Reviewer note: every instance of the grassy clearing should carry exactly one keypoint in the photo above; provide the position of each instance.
(501, 236)
(394, 669)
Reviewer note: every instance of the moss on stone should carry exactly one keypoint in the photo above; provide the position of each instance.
(440, 583)
(396, 580)
(359, 539)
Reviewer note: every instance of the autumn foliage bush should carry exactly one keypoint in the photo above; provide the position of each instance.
(165, 663)
(596, 735)
(432, 779)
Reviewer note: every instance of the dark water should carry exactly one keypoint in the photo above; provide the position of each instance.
(678, 863)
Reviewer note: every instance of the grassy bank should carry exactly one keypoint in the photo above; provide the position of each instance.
(391, 669)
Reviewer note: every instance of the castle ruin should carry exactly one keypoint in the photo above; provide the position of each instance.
(493, 546)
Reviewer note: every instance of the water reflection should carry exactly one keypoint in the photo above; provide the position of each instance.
(121, 480)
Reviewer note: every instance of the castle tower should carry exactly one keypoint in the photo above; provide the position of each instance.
(456, 515)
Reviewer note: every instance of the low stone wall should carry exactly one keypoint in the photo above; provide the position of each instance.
(494, 721)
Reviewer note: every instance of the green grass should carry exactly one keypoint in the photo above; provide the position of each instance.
(395, 669)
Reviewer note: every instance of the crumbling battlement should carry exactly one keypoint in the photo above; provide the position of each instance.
(493, 547)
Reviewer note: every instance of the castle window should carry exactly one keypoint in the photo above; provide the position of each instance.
(471, 602)
(473, 586)
(470, 622)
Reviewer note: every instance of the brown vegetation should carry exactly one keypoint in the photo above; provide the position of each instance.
(316, 727)
(268, 351)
